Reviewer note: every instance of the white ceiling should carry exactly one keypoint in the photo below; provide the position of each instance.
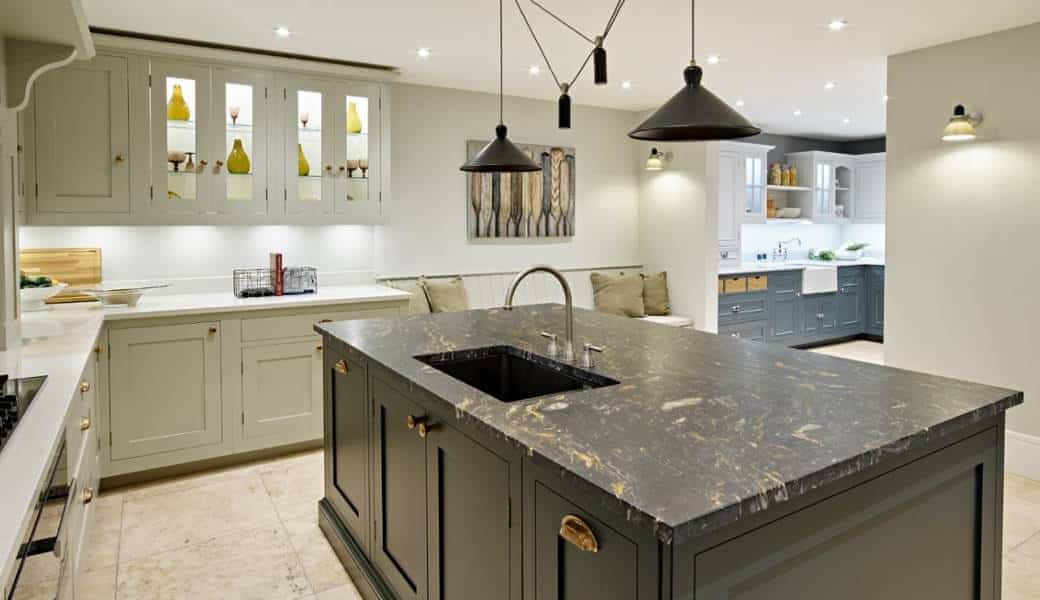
(776, 56)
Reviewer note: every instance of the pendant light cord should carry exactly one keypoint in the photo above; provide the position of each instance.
(693, 29)
(501, 68)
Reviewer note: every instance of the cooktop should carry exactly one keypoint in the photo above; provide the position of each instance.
(15, 397)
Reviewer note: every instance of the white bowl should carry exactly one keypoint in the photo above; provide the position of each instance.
(792, 213)
(122, 295)
(32, 297)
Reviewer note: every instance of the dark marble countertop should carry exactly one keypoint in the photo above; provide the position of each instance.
(702, 429)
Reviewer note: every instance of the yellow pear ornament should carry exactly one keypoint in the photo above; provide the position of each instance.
(353, 119)
(304, 166)
(177, 109)
(238, 160)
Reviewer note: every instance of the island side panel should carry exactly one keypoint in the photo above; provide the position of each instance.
(926, 529)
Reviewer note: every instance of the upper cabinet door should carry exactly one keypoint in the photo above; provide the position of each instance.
(239, 179)
(870, 191)
(309, 122)
(82, 138)
(184, 157)
(357, 153)
(823, 190)
(754, 187)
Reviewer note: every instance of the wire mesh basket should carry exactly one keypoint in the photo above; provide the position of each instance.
(256, 283)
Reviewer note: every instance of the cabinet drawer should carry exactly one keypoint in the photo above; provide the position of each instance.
(295, 326)
(757, 283)
(741, 309)
(754, 331)
(734, 285)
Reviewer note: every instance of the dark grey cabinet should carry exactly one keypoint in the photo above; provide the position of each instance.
(347, 457)
(876, 301)
(819, 315)
(400, 540)
(445, 507)
(852, 300)
(785, 291)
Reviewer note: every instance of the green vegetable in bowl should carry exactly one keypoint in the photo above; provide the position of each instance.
(821, 255)
(41, 281)
(856, 246)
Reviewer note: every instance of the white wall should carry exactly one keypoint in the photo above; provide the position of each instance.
(427, 232)
(678, 228)
(764, 238)
(963, 273)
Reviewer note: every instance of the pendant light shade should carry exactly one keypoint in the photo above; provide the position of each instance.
(694, 114)
(599, 63)
(501, 156)
(563, 108)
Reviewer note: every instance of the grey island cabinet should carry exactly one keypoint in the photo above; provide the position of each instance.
(461, 463)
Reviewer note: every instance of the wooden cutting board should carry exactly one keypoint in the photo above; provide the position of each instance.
(78, 267)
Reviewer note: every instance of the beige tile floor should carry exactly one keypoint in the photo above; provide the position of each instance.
(251, 532)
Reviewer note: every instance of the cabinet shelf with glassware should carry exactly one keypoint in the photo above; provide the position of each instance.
(830, 195)
(206, 136)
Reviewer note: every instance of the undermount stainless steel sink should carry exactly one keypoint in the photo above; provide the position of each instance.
(511, 374)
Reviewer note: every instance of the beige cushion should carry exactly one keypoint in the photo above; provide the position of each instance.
(655, 294)
(620, 295)
(446, 296)
(417, 304)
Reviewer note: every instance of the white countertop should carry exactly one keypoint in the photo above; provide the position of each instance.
(795, 265)
(58, 342)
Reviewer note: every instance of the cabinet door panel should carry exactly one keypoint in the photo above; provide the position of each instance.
(851, 301)
(240, 116)
(82, 138)
(564, 572)
(165, 389)
(182, 123)
(357, 152)
(870, 191)
(731, 182)
(400, 494)
(785, 306)
(281, 392)
(347, 449)
(309, 122)
(470, 525)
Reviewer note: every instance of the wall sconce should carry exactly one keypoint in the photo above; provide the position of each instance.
(961, 127)
(656, 160)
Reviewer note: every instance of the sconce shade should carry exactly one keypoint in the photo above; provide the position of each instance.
(654, 162)
(961, 127)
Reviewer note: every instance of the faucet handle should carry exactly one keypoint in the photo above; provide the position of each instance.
(587, 360)
(554, 348)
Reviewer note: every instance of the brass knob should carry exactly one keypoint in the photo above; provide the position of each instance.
(341, 367)
(97, 349)
(220, 163)
(203, 163)
(84, 424)
(426, 428)
(413, 420)
(120, 158)
(577, 532)
(88, 495)
(212, 329)
(84, 386)
(342, 168)
(318, 348)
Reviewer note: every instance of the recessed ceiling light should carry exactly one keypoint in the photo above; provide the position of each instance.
(797, 113)
(423, 52)
(830, 85)
(626, 85)
(847, 121)
(534, 70)
(714, 59)
(740, 103)
(282, 31)
(837, 24)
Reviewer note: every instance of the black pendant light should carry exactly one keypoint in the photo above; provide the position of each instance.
(500, 155)
(694, 114)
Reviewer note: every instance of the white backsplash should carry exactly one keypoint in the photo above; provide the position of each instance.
(201, 258)
(764, 238)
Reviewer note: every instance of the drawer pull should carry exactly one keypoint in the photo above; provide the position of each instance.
(735, 308)
(578, 533)
(426, 428)
(88, 495)
(84, 386)
(84, 424)
(341, 367)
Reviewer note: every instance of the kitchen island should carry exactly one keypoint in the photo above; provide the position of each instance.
(699, 466)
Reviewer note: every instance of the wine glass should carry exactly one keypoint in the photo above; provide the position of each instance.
(363, 163)
(304, 117)
(234, 111)
(352, 165)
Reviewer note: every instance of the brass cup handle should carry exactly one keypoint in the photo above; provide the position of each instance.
(341, 367)
(120, 158)
(87, 495)
(576, 531)
(426, 428)
(84, 424)
(84, 386)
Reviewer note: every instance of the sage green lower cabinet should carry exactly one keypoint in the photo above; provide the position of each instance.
(165, 389)
(281, 392)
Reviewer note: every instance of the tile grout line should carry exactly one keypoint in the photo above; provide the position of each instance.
(295, 551)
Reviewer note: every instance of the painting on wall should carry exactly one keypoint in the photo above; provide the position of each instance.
(523, 205)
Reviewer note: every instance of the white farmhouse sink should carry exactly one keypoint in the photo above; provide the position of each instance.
(819, 280)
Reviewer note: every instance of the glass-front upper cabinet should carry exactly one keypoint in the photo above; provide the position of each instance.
(754, 186)
(823, 190)
(238, 177)
(357, 190)
(309, 122)
(182, 127)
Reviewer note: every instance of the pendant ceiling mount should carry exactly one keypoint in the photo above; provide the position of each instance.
(694, 114)
(500, 155)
